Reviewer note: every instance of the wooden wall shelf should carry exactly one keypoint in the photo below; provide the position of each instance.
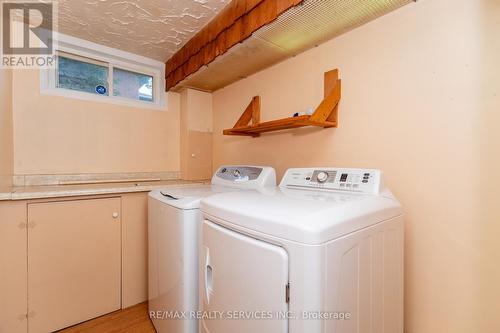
(325, 115)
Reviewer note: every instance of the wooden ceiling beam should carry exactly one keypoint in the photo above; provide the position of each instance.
(235, 23)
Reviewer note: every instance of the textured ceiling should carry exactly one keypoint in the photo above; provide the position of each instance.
(151, 28)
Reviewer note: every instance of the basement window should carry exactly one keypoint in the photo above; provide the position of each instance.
(133, 85)
(84, 71)
(85, 75)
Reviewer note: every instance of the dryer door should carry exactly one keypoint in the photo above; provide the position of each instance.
(243, 283)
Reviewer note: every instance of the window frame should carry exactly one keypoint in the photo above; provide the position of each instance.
(112, 83)
(84, 60)
(83, 50)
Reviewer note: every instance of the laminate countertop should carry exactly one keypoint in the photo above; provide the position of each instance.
(57, 191)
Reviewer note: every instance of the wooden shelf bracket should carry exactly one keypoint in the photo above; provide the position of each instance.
(251, 114)
(325, 115)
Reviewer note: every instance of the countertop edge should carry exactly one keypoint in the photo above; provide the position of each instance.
(44, 192)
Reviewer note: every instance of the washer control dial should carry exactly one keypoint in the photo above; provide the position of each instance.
(322, 177)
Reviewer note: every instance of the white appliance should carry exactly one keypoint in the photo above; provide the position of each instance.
(173, 229)
(321, 254)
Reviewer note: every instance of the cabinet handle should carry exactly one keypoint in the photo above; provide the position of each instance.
(115, 215)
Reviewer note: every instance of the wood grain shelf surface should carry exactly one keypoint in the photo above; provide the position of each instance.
(278, 125)
(325, 115)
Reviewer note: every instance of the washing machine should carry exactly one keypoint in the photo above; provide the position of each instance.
(323, 253)
(173, 237)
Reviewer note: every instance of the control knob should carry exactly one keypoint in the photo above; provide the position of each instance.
(322, 177)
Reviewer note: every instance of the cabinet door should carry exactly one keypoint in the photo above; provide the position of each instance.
(134, 249)
(13, 270)
(74, 251)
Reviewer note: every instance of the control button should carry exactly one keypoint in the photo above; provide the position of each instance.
(308, 178)
(223, 170)
(365, 180)
(236, 173)
(348, 185)
(322, 177)
(343, 177)
(342, 184)
(367, 175)
(355, 186)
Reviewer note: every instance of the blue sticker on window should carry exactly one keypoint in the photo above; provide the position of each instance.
(101, 90)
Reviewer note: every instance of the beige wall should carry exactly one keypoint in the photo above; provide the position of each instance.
(421, 100)
(6, 145)
(58, 135)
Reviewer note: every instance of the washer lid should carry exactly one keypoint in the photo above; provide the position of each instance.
(187, 197)
(303, 216)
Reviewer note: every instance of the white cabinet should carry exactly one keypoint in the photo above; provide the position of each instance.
(73, 259)
(134, 249)
(74, 262)
(196, 135)
(13, 270)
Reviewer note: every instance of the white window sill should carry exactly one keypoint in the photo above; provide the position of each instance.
(61, 92)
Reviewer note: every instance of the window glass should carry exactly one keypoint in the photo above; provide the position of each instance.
(132, 85)
(82, 76)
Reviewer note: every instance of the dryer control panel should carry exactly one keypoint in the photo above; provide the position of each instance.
(335, 179)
